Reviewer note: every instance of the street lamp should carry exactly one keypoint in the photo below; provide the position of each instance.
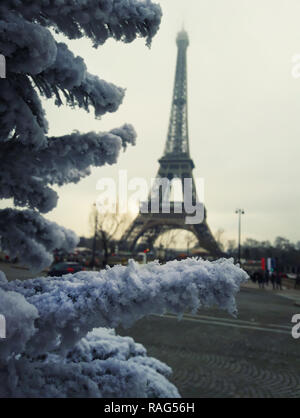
(239, 212)
(95, 237)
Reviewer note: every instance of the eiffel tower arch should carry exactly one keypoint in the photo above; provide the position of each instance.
(175, 163)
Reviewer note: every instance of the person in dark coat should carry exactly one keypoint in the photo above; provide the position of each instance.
(266, 277)
(297, 281)
(273, 280)
(253, 277)
(278, 281)
(259, 278)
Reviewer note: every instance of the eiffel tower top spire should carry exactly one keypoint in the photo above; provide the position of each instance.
(178, 135)
(175, 164)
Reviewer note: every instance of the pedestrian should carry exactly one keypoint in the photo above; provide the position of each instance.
(259, 278)
(273, 280)
(278, 281)
(253, 277)
(266, 277)
(297, 281)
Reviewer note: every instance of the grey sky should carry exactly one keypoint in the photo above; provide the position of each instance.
(244, 111)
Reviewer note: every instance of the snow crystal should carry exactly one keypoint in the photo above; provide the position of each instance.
(59, 347)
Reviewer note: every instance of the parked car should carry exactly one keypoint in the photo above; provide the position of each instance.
(65, 268)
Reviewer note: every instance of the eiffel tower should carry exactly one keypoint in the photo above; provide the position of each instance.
(175, 163)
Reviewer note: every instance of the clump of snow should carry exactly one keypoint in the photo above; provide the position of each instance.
(37, 65)
(19, 316)
(32, 238)
(67, 159)
(56, 343)
(97, 19)
(58, 348)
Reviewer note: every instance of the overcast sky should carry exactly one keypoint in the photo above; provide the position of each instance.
(244, 112)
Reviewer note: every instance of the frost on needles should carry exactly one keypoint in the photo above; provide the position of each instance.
(60, 341)
(60, 338)
(37, 65)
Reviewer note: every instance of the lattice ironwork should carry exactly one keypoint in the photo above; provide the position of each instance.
(175, 163)
(178, 134)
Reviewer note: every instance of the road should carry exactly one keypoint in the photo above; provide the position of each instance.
(215, 355)
(14, 271)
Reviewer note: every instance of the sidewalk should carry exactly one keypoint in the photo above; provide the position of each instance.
(288, 293)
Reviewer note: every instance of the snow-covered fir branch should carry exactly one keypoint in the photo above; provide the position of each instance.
(52, 350)
(97, 19)
(32, 238)
(67, 159)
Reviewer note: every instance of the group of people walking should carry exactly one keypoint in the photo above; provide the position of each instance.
(264, 278)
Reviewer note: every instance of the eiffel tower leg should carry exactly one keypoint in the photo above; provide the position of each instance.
(206, 239)
(148, 228)
(144, 228)
(175, 163)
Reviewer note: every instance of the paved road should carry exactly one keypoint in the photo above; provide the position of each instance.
(214, 355)
(13, 271)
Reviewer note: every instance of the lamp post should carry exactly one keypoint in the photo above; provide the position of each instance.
(95, 238)
(239, 212)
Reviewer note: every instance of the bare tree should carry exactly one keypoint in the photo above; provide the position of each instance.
(219, 235)
(231, 246)
(168, 239)
(190, 240)
(107, 228)
(176, 238)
